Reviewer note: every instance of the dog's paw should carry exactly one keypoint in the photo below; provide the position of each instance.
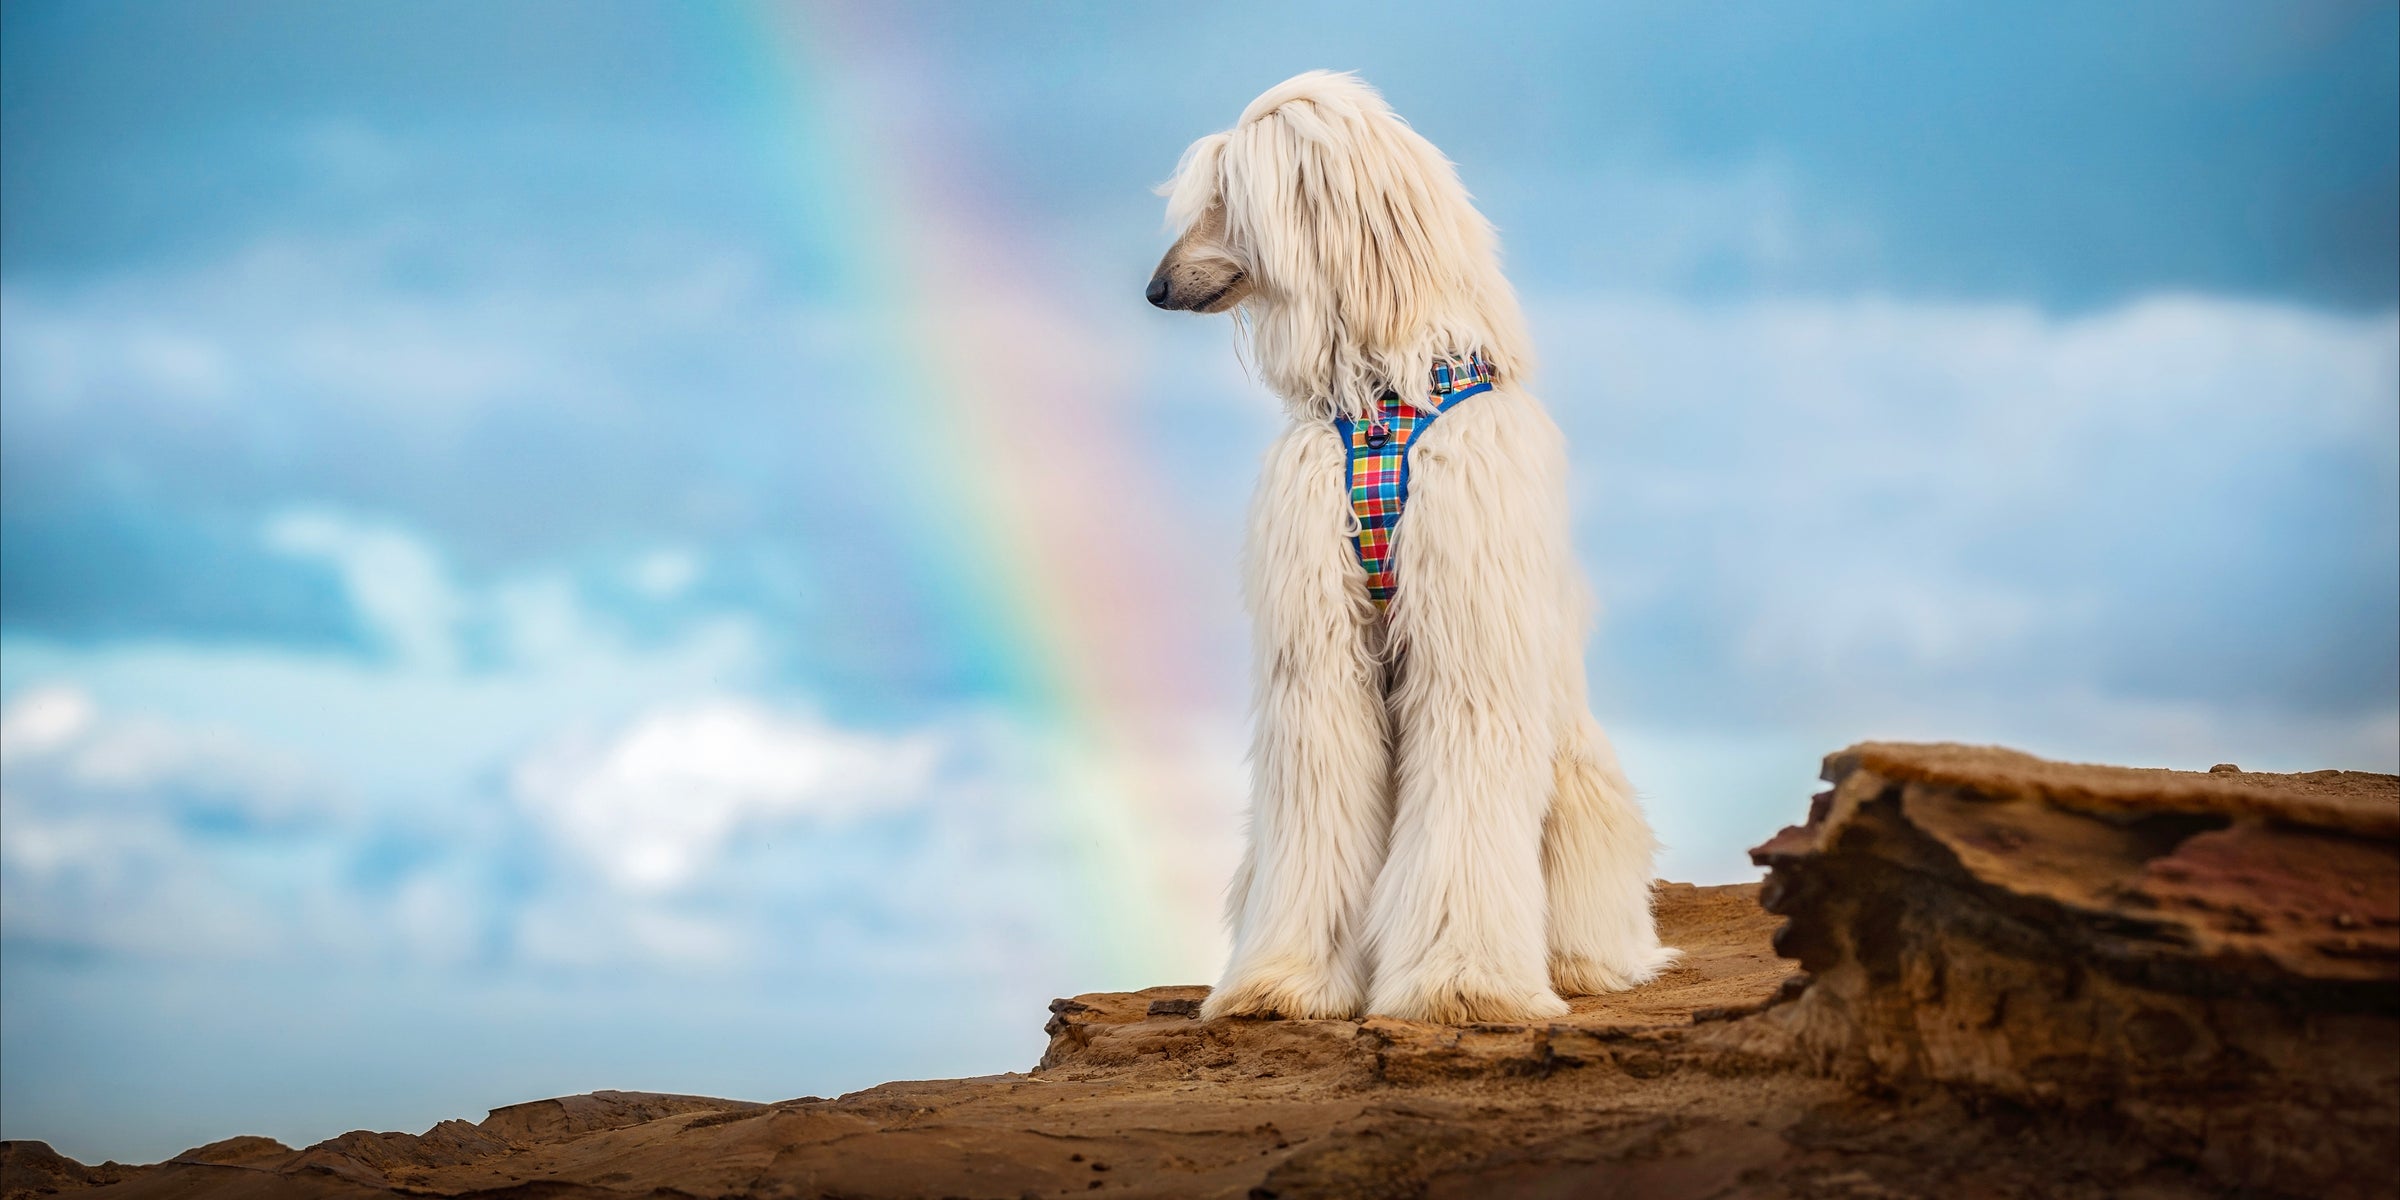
(1286, 991)
(1579, 975)
(1457, 1001)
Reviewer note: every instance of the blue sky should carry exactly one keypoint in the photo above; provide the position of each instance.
(460, 642)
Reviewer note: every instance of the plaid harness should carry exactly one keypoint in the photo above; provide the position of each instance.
(1379, 462)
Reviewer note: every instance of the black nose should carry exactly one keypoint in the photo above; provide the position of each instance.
(1158, 291)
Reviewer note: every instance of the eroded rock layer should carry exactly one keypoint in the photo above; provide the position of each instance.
(2211, 960)
(2021, 979)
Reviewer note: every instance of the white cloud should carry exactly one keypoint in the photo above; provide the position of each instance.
(311, 334)
(42, 720)
(1978, 409)
(135, 835)
(1641, 222)
(604, 929)
(182, 826)
(665, 574)
(398, 586)
(107, 818)
(55, 736)
(651, 807)
(2110, 535)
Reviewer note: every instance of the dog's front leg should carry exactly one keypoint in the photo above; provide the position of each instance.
(1321, 767)
(1456, 925)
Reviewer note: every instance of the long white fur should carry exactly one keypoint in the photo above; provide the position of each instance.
(1438, 829)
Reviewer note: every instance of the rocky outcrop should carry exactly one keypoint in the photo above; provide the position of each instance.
(1729, 968)
(1997, 976)
(2210, 962)
(34, 1169)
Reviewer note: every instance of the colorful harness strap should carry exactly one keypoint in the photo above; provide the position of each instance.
(1379, 462)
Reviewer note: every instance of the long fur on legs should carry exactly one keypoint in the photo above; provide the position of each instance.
(1437, 829)
(1457, 923)
(1320, 761)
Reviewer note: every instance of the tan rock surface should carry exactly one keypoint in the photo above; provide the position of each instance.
(2027, 980)
(2216, 973)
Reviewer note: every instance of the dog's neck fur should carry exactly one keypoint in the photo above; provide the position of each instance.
(1329, 373)
(1339, 320)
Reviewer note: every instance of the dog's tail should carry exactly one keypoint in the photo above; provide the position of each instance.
(1597, 856)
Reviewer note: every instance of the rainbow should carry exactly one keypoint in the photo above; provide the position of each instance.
(1024, 516)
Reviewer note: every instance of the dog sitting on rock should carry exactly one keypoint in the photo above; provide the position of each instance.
(1438, 829)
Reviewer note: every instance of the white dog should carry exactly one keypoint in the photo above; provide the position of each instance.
(1438, 829)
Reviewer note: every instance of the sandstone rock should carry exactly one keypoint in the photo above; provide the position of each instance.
(242, 1151)
(34, 1169)
(566, 1116)
(2211, 961)
(1729, 967)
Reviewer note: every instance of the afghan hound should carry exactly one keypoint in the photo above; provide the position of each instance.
(1438, 830)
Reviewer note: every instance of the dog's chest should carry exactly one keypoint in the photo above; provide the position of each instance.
(1377, 462)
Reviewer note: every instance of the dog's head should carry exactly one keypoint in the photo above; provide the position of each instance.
(1319, 190)
(1244, 203)
(1343, 236)
(1203, 272)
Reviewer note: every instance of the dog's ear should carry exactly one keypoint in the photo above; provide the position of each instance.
(1197, 184)
(1330, 201)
